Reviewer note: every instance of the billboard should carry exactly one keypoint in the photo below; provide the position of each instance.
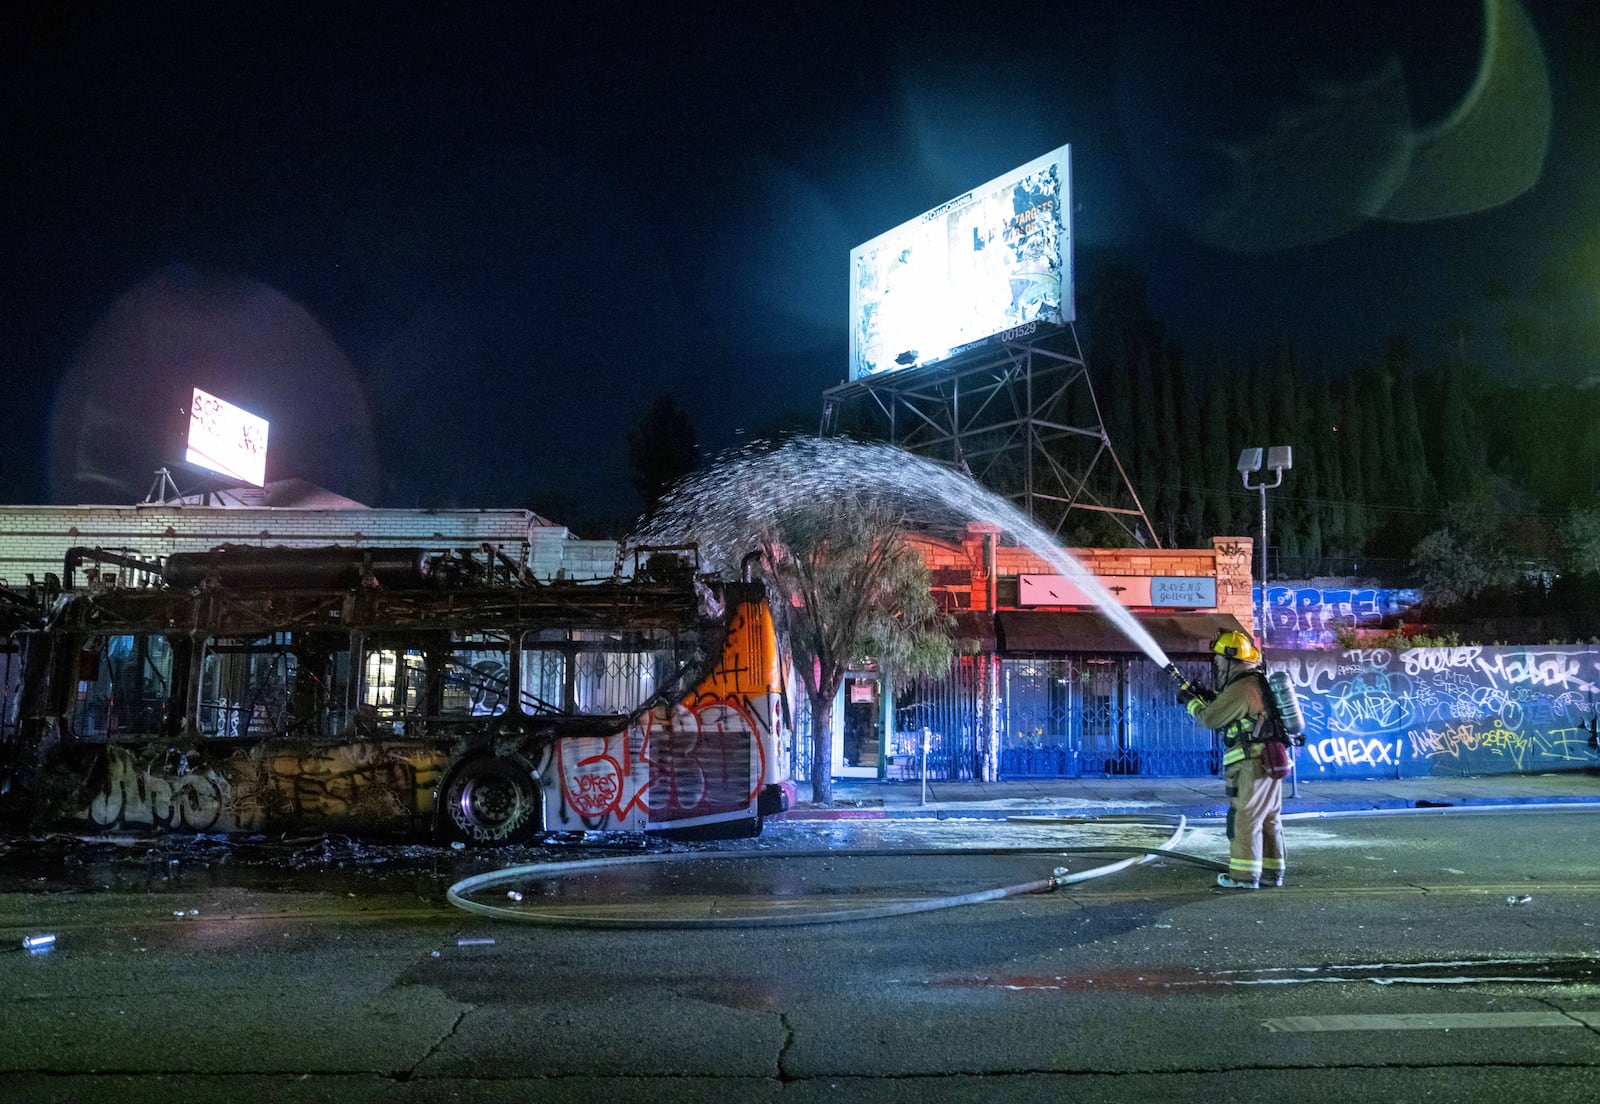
(995, 263)
(223, 438)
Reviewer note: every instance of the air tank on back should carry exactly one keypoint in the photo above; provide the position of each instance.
(1287, 704)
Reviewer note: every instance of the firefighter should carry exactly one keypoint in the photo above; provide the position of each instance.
(1255, 759)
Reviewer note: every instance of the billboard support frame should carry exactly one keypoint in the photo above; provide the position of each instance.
(157, 495)
(1019, 417)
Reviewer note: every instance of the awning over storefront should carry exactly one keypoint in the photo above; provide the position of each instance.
(1057, 631)
(975, 626)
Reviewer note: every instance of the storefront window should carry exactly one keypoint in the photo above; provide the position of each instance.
(1038, 696)
(544, 677)
(1103, 717)
(1063, 715)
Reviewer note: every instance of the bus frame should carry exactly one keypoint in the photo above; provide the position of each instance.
(396, 691)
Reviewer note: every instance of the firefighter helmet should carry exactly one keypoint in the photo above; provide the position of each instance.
(1236, 645)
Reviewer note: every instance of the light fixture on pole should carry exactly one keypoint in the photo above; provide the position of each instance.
(1279, 459)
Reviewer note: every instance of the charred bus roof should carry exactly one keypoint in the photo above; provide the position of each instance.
(244, 589)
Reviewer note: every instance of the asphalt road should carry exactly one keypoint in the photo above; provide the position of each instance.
(1391, 968)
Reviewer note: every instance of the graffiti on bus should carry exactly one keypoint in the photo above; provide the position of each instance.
(638, 773)
(633, 777)
(363, 783)
(1468, 710)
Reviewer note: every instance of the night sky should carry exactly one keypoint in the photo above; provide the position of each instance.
(452, 251)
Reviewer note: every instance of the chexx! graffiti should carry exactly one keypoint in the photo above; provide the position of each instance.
(1420, 711)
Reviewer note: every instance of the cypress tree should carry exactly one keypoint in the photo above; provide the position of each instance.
(1289, 504)
(1166, 467)
(1327, 462)
(1217, 441)
(1191, 462)
(1140, 458)
(1354, 443)
(1462, 462)
(1383, 478)
(1417, 487)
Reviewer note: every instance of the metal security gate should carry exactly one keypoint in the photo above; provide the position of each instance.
(948, 710)
(1064, 716)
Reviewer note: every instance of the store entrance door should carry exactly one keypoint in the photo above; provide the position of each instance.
(859, 747)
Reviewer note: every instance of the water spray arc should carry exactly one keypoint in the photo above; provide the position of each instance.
(722, 507)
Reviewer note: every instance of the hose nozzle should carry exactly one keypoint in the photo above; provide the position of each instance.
(1176, 675)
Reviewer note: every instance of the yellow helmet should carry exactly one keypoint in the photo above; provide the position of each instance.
(1236, 645)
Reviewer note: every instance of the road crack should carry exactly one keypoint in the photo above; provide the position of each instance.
(1592, 1026)
(783, 1075)
(411, 1072)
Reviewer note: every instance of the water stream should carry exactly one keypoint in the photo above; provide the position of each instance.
(720, 507)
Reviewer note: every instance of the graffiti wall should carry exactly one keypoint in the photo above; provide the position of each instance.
(1309, 616)
(1445, 711)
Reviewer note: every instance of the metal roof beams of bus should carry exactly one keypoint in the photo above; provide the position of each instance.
(18, 612)
(263, 610)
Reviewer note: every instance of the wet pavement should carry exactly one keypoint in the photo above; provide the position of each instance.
(1194, 797)
(185, 869)
(1041, 814)
(1410, 951)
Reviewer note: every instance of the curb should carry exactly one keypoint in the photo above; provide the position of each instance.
(842, 814)
(1204, 810)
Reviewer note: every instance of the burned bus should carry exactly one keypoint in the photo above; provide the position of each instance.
(255, 690)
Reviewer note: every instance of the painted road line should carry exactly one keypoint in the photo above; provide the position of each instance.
(1206, 890)
(1437, 1021)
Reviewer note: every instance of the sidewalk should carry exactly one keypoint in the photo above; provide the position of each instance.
(1190, 797)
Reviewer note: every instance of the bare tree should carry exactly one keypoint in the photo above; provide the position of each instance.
(851, 588)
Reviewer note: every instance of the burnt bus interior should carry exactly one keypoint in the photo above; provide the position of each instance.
(419, 683)
(455, 649)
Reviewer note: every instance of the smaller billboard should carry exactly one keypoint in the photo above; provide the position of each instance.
(224, 438)
(993, 263)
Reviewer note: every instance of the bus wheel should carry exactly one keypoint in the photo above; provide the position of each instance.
(492, 801)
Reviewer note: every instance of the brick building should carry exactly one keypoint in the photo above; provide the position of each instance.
(1044, 683)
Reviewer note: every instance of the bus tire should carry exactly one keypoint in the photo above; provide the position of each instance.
(492, 800)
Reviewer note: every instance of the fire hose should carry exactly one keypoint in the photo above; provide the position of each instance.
(460, 894)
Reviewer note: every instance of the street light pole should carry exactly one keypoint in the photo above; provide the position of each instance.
(1279, 459)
